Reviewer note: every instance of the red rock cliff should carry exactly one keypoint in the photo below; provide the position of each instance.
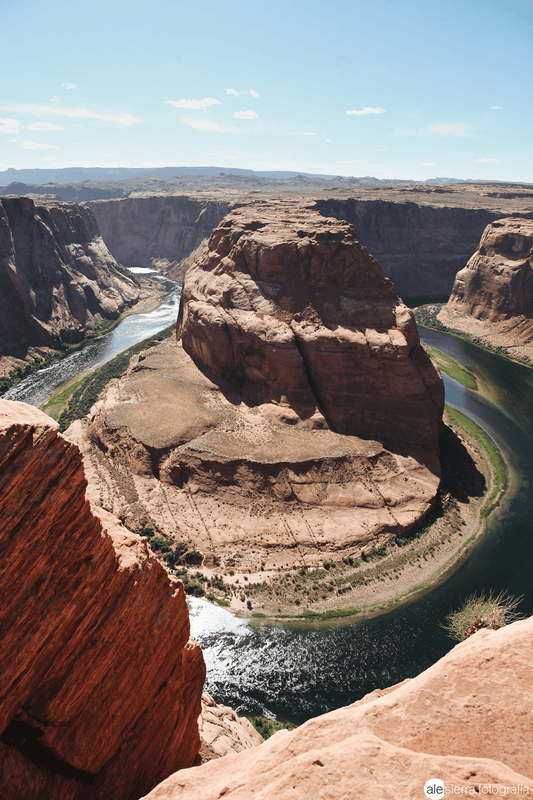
(289, 306)
(57, 277)
(497, 282)
(100, 685)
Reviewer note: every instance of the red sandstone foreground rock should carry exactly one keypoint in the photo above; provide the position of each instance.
(466, 720)
(290, 307)
(100, 684)
(57, 277)
(492, 297)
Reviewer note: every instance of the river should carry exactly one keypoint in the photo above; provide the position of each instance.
(299, 670)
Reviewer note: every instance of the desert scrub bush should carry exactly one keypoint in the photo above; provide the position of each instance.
(490, 611)
(267, 727)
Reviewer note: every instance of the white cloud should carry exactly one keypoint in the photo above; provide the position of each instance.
(38, 146)
(202, 104)
(86, 113)
(205, 125)
(69, 85)
(497, 108)
(428, 164)
(54, 99)
(495, 160)
(254, 94)
(368, 110)
(9, 125)
(107, 155)
(234, 91)
(48, 158)
(231, 156)
(444, 129)
(44, 126)
(327, 140)
(245, 115)
(352, 161)
(305, 133)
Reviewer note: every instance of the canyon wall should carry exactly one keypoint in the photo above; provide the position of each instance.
(156, 230)
(420, 247)
(57, 277)
(465, 721)
(492, 297)
(100, 683)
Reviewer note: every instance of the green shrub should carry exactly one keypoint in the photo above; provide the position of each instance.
(492, 611)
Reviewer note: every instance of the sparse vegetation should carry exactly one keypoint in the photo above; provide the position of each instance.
(491, 611)
(267, 727)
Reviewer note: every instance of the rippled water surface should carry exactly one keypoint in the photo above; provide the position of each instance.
(37, 388)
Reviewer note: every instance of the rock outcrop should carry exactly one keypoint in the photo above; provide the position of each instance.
(465, 721)
(100, 684)
(156, 229)
(57, 277)
(223, 732)
(492, 297)
(290, 307)
(497, 282)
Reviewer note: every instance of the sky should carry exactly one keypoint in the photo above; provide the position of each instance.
(409, 89)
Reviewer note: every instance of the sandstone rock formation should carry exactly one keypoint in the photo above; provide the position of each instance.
(290, 307)
(223, 732)
(100, 684)
(497, 282)
(57, 278)
(156, 230)
(243, 489)
(466, 721)
(492, 297)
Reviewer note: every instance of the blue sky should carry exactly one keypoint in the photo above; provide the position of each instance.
(405, 89)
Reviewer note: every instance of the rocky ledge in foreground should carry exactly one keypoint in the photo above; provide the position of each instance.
(492, 297)
(466, 721)
(100, 684)
(57, 277)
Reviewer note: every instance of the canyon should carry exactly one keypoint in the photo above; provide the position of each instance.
(58, 280)
(254, 455)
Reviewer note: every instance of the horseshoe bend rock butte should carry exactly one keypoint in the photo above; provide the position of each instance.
(100, 684)
(290, 307)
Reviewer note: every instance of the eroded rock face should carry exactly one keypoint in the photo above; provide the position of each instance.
(100, 683)
(466, 720)
(57, 277)
(156, 230)
(291, 308)
(497, 282)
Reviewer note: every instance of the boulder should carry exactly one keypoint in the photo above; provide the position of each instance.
(289, 307)
(100, 683)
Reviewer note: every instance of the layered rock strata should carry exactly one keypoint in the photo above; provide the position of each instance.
(420, 247)
(100, 683)
(156, 230)
(492, 297)
(57, 277)
(290, 307)
(466, 721)
(298, 421)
